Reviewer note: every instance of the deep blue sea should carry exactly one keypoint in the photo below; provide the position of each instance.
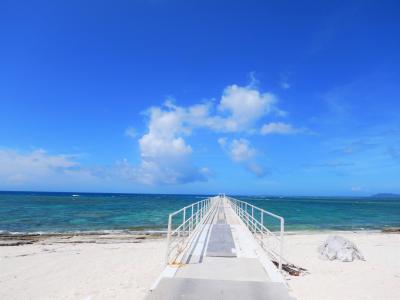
(28, 212)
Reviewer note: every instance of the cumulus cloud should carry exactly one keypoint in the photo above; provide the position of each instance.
(278, 128)
(245, 106)
(164, 152)
(240, 151)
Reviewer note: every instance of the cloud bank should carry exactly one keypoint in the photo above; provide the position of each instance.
(35, 167)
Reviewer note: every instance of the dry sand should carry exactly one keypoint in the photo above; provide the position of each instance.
(118, 267)
(378, 277)
(108, 269)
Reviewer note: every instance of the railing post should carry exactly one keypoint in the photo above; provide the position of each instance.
(191, 219)
(247, 215)
(200, 211)
(262, 224)
(281, 237)
(252, 218)
(197, 214)
(184, 220)
(168, 238)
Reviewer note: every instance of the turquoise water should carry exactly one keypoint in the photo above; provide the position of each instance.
(25, 212)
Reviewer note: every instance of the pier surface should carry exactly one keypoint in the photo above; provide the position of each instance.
(223, 262)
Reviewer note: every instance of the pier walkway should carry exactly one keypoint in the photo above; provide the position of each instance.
(215, 253)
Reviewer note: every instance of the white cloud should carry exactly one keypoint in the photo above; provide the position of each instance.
(278, 128)
(164, 152)
(19, 168)
(245, 106)
(240, 151)
(238, 110)
(39, 170)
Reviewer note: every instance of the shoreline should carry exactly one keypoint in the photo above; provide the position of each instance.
(153, 232)
(75, 238)
(126, 236)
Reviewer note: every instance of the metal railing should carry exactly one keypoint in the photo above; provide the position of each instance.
(183, 225)
(254, 218)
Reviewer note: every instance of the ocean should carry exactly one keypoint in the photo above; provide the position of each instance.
(33, 212)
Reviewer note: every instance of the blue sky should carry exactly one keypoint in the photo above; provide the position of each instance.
(249, 97)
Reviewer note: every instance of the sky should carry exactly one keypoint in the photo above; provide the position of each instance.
(238, 97)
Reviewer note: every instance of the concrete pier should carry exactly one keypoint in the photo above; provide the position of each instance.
(224, 261)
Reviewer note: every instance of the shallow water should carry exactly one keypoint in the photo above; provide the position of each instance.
(27, 212)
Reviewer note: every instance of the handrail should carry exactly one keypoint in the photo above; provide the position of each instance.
(258, 228)
(189, 217)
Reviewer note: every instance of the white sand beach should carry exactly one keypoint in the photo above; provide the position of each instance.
(378, 277)
(115, 267)
(111, 269)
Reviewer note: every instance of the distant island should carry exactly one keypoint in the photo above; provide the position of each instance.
(386, 195)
